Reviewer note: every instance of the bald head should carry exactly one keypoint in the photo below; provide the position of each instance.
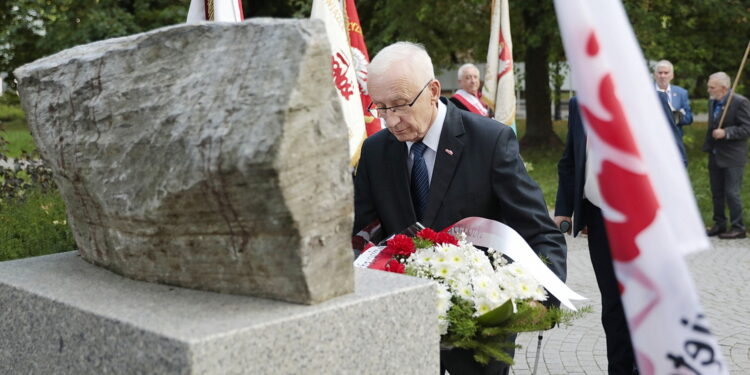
(403, 87)
(410, 58)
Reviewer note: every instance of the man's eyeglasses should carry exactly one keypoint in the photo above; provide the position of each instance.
(398, 110)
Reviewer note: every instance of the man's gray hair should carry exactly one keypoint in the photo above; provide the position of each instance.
(463, 68)
(721, 78)
(411, 55)
(664, 63)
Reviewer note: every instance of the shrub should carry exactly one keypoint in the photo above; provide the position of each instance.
(699, 105)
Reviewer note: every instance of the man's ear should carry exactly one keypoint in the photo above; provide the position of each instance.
(435, 90)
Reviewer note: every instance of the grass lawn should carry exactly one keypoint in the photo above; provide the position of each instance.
(13, 127)
(544, 169)
(19, 140)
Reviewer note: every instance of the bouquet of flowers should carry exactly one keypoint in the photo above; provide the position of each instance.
(482, 298)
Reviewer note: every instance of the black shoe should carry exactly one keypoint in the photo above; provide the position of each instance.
(715, 230)
(733, 234)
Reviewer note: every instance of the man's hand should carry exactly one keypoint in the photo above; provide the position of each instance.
(719, 133)
(560, 219)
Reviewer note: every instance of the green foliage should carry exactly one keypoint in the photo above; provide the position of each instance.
(453, 32)
(35, 225)
(10, 113)
(699, 105)
(544, 160)
(489, 337)
(697, 36)
(421, 243)
(36, 28)
(19, 141)
(497, 316)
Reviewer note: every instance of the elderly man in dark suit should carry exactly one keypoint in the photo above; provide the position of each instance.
(727, 154)
(436, 164)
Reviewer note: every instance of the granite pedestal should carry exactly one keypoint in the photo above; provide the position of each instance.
(61, 315)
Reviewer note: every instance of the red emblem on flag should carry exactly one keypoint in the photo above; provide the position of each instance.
(506, 60)
(340, 69)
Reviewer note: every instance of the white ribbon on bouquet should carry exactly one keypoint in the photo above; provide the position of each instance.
(490, 233)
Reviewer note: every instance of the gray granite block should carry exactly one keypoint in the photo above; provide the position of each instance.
(231, 179)
(61, 315)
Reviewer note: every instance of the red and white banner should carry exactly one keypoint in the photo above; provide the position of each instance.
(649, 208)
(215, 10)
(499, 82)
(361, 60)
(344, 71)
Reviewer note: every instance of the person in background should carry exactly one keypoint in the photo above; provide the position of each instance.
(578, 194)
(677, 97)
(727, 155)
(468, 95)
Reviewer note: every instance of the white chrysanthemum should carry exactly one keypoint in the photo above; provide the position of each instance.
(465, 291)
(443, 299)
(486, 280)
(482, 307)
(539, 294)
(482, 282)
(443, 270)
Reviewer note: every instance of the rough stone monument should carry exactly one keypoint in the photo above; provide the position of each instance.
(211, 157)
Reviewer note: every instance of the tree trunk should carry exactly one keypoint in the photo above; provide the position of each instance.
(539, 131)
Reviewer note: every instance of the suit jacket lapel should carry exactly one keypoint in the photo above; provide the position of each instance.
(448, 155)
(396, 154)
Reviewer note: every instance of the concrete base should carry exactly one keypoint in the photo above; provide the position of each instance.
(61, 315)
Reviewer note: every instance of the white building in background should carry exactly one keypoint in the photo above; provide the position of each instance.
(2, 82)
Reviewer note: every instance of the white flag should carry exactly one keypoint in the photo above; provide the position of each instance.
(499, 82)
(344, 72)
(215, 10)
(649, 209)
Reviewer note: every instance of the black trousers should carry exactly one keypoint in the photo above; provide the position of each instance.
(619, 347)
(461, 361)
(726, 184)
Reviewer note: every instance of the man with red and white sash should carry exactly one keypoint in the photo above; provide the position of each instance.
(467, 98)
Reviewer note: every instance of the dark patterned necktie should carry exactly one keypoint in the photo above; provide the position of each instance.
(420, 180)
(717, 111)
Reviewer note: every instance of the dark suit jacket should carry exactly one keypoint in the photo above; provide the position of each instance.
(732, 150)
(571, 170)
(483, 177)
(674, 127)
(680, 101)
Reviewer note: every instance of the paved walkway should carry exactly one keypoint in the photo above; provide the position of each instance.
(722, 276)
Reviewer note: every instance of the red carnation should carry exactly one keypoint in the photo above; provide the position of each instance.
(428, 234)
(401, 245)
(446, 238)
(394, 265)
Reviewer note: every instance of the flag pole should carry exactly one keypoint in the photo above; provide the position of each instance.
(734, 86)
